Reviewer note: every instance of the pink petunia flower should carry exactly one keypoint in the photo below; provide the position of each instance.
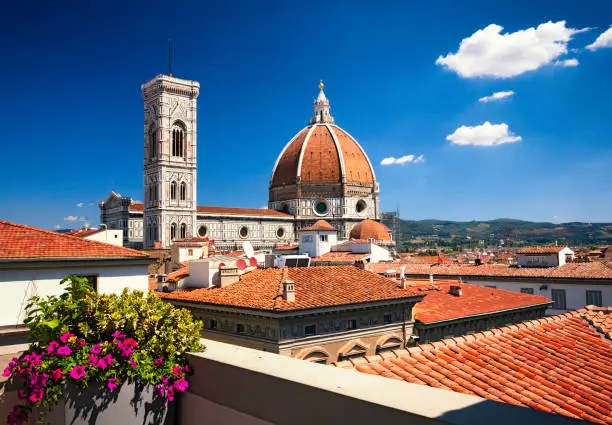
(35, 359)
(53, 345)
(158, 362)
(36, 395)
(177, 370)
(96, 349)
(7, 371)
(64, 338)
(77, 372)
(64, 351)
(187, 369)
(80, 342)
(181, 384)
(112, 384)
(118, 335)
(57, 374)
(132, 363)
(93, 360)
(108, 359)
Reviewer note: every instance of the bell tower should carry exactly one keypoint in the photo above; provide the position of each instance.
(170, 162)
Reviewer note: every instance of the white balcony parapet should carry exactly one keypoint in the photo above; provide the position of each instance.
(236, 385)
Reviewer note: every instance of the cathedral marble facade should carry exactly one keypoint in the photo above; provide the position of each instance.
(322, 172)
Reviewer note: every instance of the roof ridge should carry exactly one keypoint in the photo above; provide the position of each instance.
(68, 236)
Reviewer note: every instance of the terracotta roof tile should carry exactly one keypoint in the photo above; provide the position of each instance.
(339, 257)
(83, 232)
(179, 274)
(540, 249)
(286, 247)
(18, 241)
(593, 270)
(213, 210)
(136, 206)
(440, 305)
(559, 365)
(314, 287)
(319, 225)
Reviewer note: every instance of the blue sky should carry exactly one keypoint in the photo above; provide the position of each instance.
(395, 75)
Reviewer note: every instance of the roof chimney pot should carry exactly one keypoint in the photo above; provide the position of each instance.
(289, 290)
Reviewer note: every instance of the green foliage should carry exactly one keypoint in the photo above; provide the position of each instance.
(113, 338)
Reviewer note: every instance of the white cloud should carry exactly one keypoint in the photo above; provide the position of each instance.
(497, 96)
(486, 134)
(82, 218)
(71, 218)
(403, 160)
(80, 204)
(489, 53)
(568, 62)
(604, 40)
(57, 227)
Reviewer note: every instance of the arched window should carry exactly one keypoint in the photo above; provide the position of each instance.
(183, 231)
(183, 191)
(173, 231)
(173, 191)
(178, 140)
(152, 143)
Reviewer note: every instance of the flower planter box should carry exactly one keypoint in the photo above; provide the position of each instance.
(131, 404)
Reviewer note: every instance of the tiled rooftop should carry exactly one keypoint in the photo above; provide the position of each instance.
(558, 364)
(210, 210)
(179, 274)
(593, 270)
(315, 287)
(601, 319)
(339, 257)
(540, 250)
(83, 232)
(286, 247)
(319, 225)
(18, 241)
(440, 305)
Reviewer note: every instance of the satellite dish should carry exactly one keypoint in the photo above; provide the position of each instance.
(241, 264)
(248, 249)
(253, 261)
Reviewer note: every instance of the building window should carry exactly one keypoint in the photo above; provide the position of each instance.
(173, 231)
(183, 231)
(183, 191)
(240, 328)
(387, 318)
(594, 298)
(361, 206)
(527, 291)
(173, 191)
(203, 231)
(310, 330)
(152, 143)
(323, 238)
(568, 258)
(306, 238)
(320, 208)
(244, 232)
(212, 324)
(351, 324)
(178, 141)
(558, 297)
(280, 232)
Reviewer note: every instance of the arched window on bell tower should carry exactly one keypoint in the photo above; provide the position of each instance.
(179, 148)
(173, 191)
(152, 143)
(173, 231)
(183, 231)
(183, 192)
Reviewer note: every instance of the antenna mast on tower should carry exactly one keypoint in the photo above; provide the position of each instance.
(170, 57)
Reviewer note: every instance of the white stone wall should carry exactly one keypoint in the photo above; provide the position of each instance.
(545, 260)
(228, 229)
(575, 292)
(112, 236)
(18, 285)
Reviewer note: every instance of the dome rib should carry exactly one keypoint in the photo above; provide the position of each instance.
(339, 150)
(302, 149)
(322, 162)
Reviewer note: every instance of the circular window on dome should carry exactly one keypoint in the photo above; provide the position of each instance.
(203, 231)
(243, 232)
(361, 206)
(280, 233)
(320, 207)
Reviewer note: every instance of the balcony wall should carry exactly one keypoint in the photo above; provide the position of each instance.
(241, 386)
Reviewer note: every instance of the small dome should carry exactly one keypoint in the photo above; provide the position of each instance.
(370, 229)
(320, 225)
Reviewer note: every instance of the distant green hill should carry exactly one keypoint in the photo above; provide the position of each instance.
(446, 233)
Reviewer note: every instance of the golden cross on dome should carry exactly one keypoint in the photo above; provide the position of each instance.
(321, 85)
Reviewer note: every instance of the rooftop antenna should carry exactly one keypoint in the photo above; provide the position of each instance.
(170, 57)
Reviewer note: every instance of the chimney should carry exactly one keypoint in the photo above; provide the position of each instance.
(289, 290)
(402, 277)
(228, 275)
(455, 290)
(431, 278)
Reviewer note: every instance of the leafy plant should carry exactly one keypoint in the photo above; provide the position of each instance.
(84, 338)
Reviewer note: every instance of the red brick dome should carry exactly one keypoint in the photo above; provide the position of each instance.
(322, 153)
(370, 229)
